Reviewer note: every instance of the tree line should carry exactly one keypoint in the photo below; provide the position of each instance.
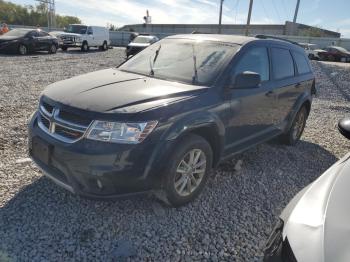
(15, 14)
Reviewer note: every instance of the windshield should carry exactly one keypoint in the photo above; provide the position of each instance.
(142, 39)
(189, 61)
(76, 29)
(341, 49)
(17, 32)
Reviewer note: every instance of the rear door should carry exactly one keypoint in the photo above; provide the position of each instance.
(44, 40)
(305, 77)
(286, 84)
(252, 109)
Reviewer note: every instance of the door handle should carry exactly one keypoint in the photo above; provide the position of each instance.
(297, 85)
(270, 94)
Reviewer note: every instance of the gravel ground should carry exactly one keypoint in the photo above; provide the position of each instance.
(229, 222)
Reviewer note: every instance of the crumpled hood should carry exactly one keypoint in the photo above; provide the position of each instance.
(318, 227)
(112, 90)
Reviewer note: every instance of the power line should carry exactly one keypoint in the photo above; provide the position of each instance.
(274, 5)
(284, 8)
(266, 13)
(236, 9)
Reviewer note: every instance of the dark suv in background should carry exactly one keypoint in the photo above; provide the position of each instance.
(162, 120)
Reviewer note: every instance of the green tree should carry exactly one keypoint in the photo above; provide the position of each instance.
(11, 13)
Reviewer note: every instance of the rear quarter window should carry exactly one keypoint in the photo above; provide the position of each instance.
(282, 63)
(302, 63)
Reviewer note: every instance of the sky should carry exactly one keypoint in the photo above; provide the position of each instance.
(332, 15)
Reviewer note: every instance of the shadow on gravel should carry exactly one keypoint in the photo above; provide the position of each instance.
(230, 221)
(39, 53)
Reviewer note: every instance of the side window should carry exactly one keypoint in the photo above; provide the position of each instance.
(89, 31)
(302, 64)
(255, 60)
(33, 34)
(282, 63)
(42, 34)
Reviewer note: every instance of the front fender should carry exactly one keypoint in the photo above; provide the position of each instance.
(192, 122)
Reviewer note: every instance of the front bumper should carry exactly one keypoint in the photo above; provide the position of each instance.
(277, 249)
(8, 47)
(95, 169)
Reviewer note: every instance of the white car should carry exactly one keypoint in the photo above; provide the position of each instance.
(140, 43)
(83, 36)
(311, 50)
(315, 224)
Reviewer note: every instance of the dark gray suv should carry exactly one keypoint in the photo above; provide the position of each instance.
(163, 119)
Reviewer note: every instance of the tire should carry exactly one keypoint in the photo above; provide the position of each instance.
(53, 49)
(182, 185)
(104, 47)
(311, 56)
(292, 136)
(64, 48)
(22, 49)
(85, 47)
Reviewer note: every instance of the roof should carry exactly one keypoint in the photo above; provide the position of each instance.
(236, 39)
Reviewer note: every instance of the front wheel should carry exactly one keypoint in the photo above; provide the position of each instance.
(188, 170)
(53, 49)
(22, 49)
(296, 130)
(85, 47)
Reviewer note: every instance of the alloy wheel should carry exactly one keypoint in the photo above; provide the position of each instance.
(53, 49)
(22, 49)
(190, 172)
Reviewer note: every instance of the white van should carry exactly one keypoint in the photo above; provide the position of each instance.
(83, 36)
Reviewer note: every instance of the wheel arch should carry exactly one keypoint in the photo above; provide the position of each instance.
(205, 125)
(304, 100)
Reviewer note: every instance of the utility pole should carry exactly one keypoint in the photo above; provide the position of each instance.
(249, 16)
(51, 12)
(220, 15)
(296, 12)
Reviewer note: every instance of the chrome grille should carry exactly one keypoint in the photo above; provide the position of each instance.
(61, 124)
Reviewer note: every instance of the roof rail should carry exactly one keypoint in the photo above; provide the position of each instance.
(277, 38)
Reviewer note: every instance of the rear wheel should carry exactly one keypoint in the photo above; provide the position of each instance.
(22, 49)
(53, 49)
(296, 130)
(104, 47)
(64, 48)
(188, 170)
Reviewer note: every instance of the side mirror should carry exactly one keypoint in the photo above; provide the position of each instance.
(246, 80)
(90, 33)
(344, 127)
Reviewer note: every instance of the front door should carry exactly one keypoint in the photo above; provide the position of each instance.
(252, 109)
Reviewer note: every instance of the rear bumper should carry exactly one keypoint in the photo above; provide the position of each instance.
(96, 169)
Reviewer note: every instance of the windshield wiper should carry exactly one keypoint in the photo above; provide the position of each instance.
(154, 60)
(195, 75)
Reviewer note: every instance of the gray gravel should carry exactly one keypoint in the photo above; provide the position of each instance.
(229, 222)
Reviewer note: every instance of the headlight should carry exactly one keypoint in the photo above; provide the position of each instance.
(78, 39)
(124, 133)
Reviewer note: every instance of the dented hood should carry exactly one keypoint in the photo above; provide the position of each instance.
(112, 90)
(318, 225)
